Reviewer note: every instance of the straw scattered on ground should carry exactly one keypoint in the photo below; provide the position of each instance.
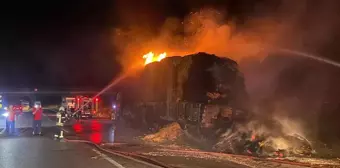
(169, 133)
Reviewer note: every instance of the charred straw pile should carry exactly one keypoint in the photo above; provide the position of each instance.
(198, 78)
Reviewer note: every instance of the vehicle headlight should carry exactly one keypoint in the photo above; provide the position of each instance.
(5, 114)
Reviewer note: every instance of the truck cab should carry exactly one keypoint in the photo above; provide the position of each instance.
(69, 103)
(86, 106)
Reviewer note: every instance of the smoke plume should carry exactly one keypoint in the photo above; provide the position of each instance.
(303, 25)
(206, 30)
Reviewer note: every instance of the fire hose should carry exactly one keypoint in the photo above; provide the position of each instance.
(243, 156)
(155, 163)
(130, 156)
(144, 160)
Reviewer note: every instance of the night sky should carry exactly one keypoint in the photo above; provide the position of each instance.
(68, 43)
(56, 44)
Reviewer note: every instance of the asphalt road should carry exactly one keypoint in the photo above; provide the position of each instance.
(39, 152)
(27, 151)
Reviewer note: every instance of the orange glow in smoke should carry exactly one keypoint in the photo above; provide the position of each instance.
(151, 57)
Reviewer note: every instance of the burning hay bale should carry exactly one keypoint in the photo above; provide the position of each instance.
(175, 79)
(169, 133)
(257, 140)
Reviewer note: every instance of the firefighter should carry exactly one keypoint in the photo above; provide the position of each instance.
(11, 120)
(62, 109)
(63, 112)
(37, 115)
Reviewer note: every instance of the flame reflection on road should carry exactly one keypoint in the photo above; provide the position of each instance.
(78, 128)
(96, 137)
(91, 130)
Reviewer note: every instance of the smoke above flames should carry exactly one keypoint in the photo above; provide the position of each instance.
(295, 24)
(206, 30)
(289, 24)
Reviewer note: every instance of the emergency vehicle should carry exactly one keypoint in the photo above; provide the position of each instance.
(25, 106)
(69, 103)
(84, 106)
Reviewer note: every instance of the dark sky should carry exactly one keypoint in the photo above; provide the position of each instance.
(67, 43)
(56, 44)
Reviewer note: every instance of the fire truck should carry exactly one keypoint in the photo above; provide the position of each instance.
(69, 103)
(87, 106)
(81, 106)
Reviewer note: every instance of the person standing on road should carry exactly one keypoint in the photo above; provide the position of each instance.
(11, 120)
(63, 113)
(37, 115)
(62, 109)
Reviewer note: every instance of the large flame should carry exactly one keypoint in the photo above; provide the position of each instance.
(151, 57)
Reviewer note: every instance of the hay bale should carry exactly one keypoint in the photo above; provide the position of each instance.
(180, 75)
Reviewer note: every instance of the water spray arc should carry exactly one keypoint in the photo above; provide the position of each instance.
(150, 56)
(307, 55)
(113, 83)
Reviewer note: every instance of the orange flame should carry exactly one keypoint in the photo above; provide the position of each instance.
(150, 57)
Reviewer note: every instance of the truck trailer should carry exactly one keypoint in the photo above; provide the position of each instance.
(183, 88)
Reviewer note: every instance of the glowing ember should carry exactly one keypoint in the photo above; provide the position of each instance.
(151, 57)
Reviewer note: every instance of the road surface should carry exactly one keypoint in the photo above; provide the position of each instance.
(40, 152)
(27, 151)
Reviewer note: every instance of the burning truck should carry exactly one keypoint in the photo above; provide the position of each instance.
(200, 90)
(204, 93)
